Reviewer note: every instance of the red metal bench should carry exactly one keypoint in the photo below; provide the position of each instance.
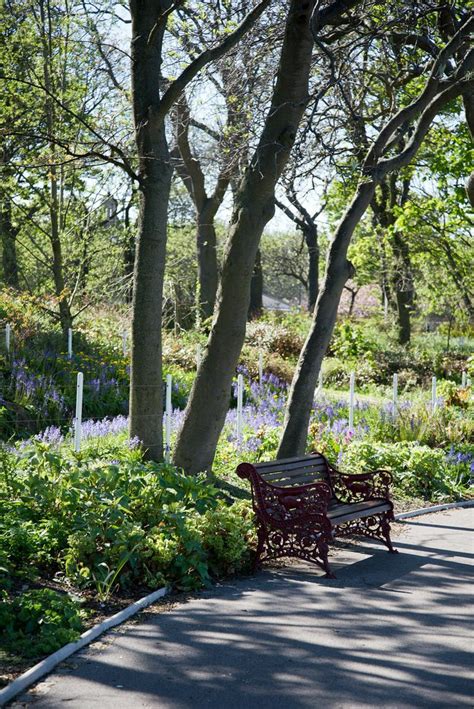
(302, 503)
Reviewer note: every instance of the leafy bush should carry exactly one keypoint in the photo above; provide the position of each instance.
(116, 524)
(350, 342)
(454, 395)
(419, 471)
(39, 622)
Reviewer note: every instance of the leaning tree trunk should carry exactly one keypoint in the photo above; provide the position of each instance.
(339, 269)
(253, 208)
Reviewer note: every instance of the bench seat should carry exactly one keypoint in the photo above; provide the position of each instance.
(303, 503)
(339, 513)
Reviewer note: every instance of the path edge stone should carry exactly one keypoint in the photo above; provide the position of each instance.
(35, 673)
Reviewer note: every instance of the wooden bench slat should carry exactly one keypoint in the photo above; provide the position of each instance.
(336, 521)
(310, 474)
(294, 470)
(302, 479)
(283, 461)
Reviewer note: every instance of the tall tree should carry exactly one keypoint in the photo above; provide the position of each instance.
(253, 208)
(380, 162)
(153, 99)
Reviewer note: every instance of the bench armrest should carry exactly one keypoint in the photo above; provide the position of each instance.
(286, 507)
(358, 487)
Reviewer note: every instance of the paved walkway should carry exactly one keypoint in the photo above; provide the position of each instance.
(391, 631)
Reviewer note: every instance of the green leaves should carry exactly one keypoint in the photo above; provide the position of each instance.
(39, 622)
(114, 525)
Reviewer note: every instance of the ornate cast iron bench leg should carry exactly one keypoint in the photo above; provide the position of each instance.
(385, 529)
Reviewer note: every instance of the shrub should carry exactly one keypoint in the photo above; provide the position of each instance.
(419, 471)
(115, 525)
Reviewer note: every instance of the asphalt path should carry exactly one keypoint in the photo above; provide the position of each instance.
(390, 631)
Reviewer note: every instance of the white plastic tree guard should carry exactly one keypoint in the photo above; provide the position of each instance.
(168, 412)
(395, 395)
(78, 417)
(240, 401)
(351, 401)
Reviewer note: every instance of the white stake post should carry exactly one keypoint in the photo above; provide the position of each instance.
(464, 379)
(124, 343)
(78, 418)
(198, 356)
(395, 395)
(169, 382)
(385, 306)
(260, 368)
(433, 393)
(69, 343)
(351, 401)
(240, 401)
(8, 337)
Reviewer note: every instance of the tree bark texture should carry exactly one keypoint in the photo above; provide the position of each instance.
(403, 286)
(146, 395)
(253, 208)
(8, 241)
(311, 240)
(206, 242)
(338, 270)
(256, 288)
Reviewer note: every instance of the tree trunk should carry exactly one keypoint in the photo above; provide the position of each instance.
(293, 441)
(256, 288)
(206, 242)
(65, 315)
(403, 286)
(253, 208)
(146, 395)
(311, 239)
(458, 279)
(8, 239)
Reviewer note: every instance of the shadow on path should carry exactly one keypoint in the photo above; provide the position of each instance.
(391, 631)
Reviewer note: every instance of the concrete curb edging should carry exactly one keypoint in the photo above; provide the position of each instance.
(435, 508)
(49, 663)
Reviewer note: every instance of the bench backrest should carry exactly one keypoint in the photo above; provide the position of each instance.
(291, 472)
(278, 491)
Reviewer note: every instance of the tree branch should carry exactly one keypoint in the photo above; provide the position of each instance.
(177, 87)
